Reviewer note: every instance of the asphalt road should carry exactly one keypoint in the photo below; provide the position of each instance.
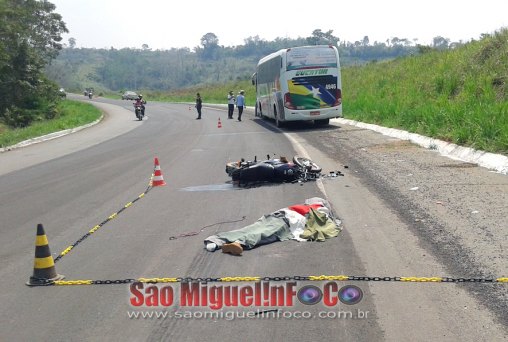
(454, 225)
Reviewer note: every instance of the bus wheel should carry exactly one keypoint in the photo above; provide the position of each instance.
(322, 122)
(278, 122)
(259, 111)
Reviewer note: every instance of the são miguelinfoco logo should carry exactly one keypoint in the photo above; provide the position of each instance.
(262, 294)
(311, 294)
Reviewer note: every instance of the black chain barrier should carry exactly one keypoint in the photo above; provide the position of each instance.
(95, 228)
(48, 282)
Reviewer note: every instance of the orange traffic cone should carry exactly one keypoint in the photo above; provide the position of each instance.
(157, 175)
(219, 124)
(44, 265)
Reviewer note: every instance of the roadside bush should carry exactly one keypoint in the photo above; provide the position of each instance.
(35, 105)
(17, 118)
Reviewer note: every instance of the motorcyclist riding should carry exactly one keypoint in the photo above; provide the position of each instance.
(141, 103)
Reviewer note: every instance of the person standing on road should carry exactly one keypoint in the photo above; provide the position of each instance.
(199, 104)
(231, 104)
(240, 103)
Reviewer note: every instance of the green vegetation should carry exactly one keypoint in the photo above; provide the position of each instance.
(458, 95)
(70, 114)
(29, 39)
(210, 93)
(141, 69)
(456, 92)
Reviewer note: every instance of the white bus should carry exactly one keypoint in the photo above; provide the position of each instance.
(299, 83)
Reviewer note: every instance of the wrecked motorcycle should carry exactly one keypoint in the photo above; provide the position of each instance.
(273, 170)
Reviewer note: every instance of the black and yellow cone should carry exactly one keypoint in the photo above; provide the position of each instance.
(44, 265)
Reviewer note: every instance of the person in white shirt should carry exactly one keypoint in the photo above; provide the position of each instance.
(231, 104)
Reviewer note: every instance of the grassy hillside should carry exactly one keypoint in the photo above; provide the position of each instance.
(457, 95)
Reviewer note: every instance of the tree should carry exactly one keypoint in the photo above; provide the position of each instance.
(30, 38)
(395, 41)
(72, 43)
(209, 40)
(320, 37)
(440, 43)
(210, 44)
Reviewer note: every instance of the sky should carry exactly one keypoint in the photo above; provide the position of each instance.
(166, 24)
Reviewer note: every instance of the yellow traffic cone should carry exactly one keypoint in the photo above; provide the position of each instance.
(44, 265)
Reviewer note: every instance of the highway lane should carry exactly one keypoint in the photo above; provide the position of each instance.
(112, 124)
(73, 193)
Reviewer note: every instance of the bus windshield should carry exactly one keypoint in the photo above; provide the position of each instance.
(306, 58)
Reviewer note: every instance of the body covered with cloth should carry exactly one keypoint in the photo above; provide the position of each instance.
(311, 221)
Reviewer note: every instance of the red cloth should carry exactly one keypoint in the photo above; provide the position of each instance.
(303, 209)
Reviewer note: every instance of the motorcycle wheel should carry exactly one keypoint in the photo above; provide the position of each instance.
(307, 164)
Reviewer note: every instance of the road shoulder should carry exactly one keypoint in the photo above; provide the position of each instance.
(412, 212)
(115, 122)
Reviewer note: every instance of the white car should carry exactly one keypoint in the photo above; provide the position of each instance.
(129, 95)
